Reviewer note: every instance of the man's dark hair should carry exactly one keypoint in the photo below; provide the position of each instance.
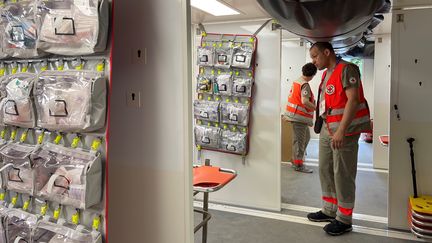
(322, 46)
(309, 70)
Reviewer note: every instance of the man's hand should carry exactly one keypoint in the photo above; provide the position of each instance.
(337, 140)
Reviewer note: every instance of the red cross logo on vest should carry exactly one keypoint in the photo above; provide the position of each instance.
(330, 89)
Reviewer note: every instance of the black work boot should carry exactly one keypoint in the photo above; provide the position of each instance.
(319, 217)
(337, 228)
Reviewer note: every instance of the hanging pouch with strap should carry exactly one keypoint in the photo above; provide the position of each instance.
(68, 176)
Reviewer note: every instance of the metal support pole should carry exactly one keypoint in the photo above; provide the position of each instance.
(262, 27)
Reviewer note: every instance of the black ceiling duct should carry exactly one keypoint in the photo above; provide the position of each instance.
(342, 22)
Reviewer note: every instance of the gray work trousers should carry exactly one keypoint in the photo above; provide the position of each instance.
(300, 140)
(338, 170)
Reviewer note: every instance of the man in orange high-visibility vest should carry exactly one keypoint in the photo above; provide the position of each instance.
(342, 114)
(299, 111)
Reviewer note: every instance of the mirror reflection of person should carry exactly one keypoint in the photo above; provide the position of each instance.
(342, 114)
(299, 111)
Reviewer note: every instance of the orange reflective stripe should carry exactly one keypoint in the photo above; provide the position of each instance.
(346, 211)
(297, 111)
(330, 200)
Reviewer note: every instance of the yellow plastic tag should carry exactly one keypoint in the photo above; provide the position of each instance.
(2, 196)
(23, 136)
(3, 134)
(225, 126)
(199, 122)
(251, 39)
(234, 128)
(96, 223)
(75, 142)
(212, 71)
(2, 71)
(227, 100)
(202, 70)
(203, 34)
(96, 144)
(216, 124)
(214, 44)
(236, 101)
(247, 102)
(14, 200)
(13, 134)
(250, 74)
(26, 205)
(209, 98)
(199, 147)
(44, 68)
(219, 71)
(56, 213)
(14, 70)
(100, 67)
(24, 69)
(60, 67)
(44, 209)
(237, 73)
(244, 129)
(203, 44)
(79, 67)
(231, 72)
(75, 218)
(208, 124)
(220, 44)
(217, 98)
(58, 139)
(41, 137)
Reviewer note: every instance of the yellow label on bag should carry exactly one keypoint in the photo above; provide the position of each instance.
(100, 67)
(60, 68)
(58, 139)
(56, 214)
(23, 137)
(24, 69)
(44, 210)
(13, 134)
(75, 218)
(40, 138)
(96, 223)
(95, 144)
(26, 205)
(44, 68)
(75, 142)
(2, 196)
(2, 70)
(14, 70)
(14, 200)
(79, 67)
(3, 134)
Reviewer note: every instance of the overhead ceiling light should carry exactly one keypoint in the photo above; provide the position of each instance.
(214, 7)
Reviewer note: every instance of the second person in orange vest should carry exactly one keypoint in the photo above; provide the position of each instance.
(299, 111)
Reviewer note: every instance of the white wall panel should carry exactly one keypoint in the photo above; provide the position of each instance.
(410, 42)
(381, 100)
(258, 182)
(150, 147)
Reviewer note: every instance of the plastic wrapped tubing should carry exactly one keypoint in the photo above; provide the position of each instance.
(233, 141)
(242, 56)
(70, 27)
(206, 110)
(207, 136)
(242, 86)
(204, 84)
(20, 29)
(17, 106)
(235, 113)
(223, 84)
(205, 56)
(223, 57)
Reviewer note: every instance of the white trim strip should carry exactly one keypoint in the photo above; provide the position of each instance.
(363, 217)
(358, 168)
(305, 221)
